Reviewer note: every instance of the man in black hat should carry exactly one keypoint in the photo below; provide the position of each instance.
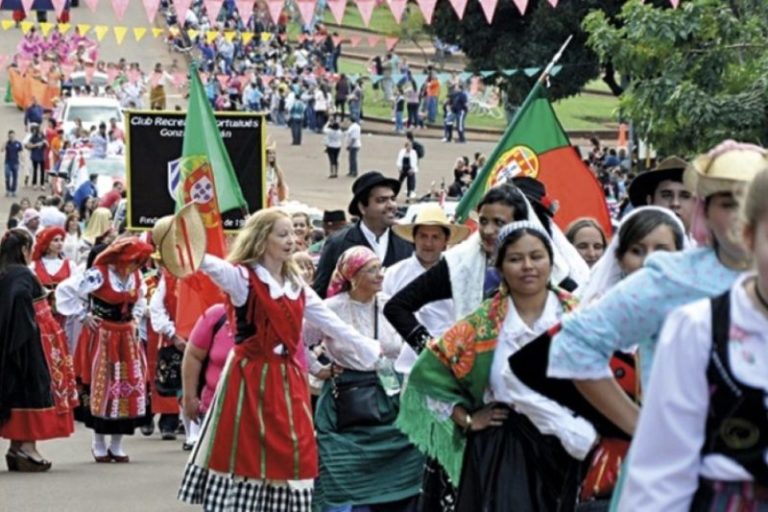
(333, 221)
(374, 202)
(663, 186)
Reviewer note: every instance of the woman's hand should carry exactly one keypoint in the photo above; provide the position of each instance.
(179, 342)
(492, 415)
(92, 322)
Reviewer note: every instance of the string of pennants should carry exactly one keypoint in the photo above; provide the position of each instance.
(306, 8)
(138, 33)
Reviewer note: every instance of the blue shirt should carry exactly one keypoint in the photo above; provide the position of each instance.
(12, 150)
(83, 192)
(632, 312)
(33, 114)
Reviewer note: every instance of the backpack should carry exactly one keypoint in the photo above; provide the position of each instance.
(419, 148)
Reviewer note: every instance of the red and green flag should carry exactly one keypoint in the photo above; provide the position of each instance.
(535, 145)
(207, 179)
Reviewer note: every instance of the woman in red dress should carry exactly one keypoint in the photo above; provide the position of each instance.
(37, 386)
(49, 264)
(257, 448)
(110, 363)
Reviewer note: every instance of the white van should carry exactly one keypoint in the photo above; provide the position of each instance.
(91, 110)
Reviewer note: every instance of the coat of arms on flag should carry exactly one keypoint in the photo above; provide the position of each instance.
(518, 161)
(174, 176)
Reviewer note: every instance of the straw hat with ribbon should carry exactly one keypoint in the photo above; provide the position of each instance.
(726, 168)
(431, 214)
(180, 241)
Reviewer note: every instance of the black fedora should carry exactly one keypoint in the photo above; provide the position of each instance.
(645, 184)
(364, 183)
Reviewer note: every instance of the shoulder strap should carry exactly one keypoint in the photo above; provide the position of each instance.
(219, 324)
(721, 324)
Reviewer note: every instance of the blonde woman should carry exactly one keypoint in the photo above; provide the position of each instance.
(257, 448)
(98, 231)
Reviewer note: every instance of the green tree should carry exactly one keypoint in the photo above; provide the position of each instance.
(515, 41)
(696, 75)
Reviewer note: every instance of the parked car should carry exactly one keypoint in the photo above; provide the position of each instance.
(91, 111)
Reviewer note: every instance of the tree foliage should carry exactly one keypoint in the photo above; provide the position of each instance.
(515, 41)
(697, 74)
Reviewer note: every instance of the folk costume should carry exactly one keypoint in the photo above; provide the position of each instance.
(110, 363)
(50, 271)
(363, 461)
(257, 448)
(37, 386)
(700, 443)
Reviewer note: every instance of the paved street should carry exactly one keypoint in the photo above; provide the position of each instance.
(149, 482)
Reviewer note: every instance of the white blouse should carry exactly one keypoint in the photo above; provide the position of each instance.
(233, 279)
(665, 460)
(576, 434)
(52, 265)
(159, 317)
(355, 355)
(93, 279)
(71, 248)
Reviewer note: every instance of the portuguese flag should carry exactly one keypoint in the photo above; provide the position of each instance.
(536, 145)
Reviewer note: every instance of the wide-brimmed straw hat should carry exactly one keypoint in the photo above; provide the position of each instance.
(431, 214)
(724, 168)
(645, 184)
(180, 241)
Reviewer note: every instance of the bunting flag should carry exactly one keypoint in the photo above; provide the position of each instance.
(181, 6)
(354, 41)
(553, 3)
(522, 5)
(213, 8)
(535, 145)
(230, 35)
(390, 42)
(157, 32)
(64, 27)
(27, 5)
(337, 40)
(245, 8)
(211, 36)
(192, 33)
(46, 28)
(427, 8)
(120, 34)
(366, 10)
(460, 7)
(489, 9)
(100, 31)
(58, 6)
(398, 8)
(138, 33)
(83, 28)
(307, 10)
(675, 3)
(119, 6)
(151, 7)
(247, 36)
(373, 41)
(337, 7)
(8, 24)
(275, 7)
(92, 4)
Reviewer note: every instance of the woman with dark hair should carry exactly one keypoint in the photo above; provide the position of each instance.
(33, 405)
(588, 237)
(523, 451)
(14, 216)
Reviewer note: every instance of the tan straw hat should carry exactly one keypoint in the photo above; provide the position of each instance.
(180, 239)
(431, 214)
(724, 168)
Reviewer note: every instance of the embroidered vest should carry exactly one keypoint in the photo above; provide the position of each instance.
(112, 305)
(48, 280)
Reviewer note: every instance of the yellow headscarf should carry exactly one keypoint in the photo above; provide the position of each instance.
(99, 223)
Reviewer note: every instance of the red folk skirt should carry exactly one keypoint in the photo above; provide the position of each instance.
(260, 423)
(56, 421)
(111, 368)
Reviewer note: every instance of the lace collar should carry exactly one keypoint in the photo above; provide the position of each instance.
(289, 288)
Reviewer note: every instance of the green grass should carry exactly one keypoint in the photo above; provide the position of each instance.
(584, 112)
(382, 20)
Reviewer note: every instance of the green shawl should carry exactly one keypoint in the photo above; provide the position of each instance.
(455, 370)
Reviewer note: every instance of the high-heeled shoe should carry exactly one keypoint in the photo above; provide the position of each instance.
(18, 460)
(120, 459)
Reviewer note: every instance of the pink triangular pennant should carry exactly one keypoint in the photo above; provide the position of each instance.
(245, 8)
(89, 71)
(223, 80)
(151, 7)
(522, 5)
(460, 6)
(182, 6)
(553, 3)
(112, 74)
(390, 42)
(213, 8)
(674, 3)
(58, 6)
(27, 5)
(337, 9)
(427, 8)
(92, 4)
(489, 8)
(275, 8)
(318, 38)
(307, 10)
(366, 10)
(337, 40)
(119, 6)
(267, 79)
(354, 41)
(373, 41)
(398, 8)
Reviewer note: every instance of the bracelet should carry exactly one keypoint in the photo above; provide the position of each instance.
(468, 421)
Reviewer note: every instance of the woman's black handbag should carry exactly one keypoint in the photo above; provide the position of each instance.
(168, 376)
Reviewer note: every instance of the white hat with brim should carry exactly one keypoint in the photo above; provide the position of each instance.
(431, 214)
(180, 241)
(726, 168)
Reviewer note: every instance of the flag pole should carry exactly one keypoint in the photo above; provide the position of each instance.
(462, 210)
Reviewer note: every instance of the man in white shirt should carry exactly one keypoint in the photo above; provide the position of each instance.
(431, 234)
(353, 143)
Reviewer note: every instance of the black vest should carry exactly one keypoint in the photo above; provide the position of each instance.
(737, 420)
